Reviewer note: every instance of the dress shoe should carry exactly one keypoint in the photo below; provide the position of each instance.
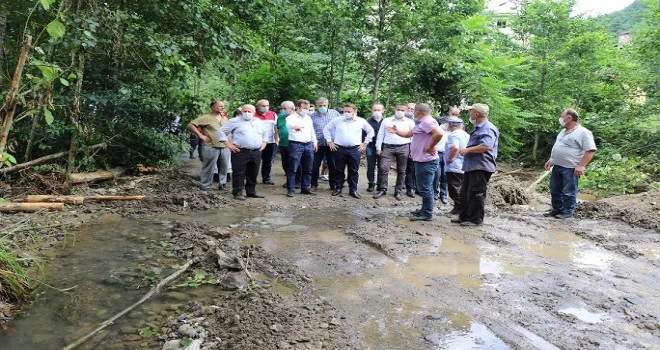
(336, 192)
(443, 199)
(268, 182)
(239, 197)
(397, 196)
(380, 194)
(222, 187)
(355, 195)
(457, 220)
(416, 212)
(550, 213)
(289, 194)
(254, 195)
(410, 193)
(308, 192)
(470, 223)
(563, 216)
(421, 218)
(454, 212)
(332, 187)
(370, 188)
(314, 188)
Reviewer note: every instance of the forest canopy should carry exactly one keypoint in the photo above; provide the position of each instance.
(117, 73)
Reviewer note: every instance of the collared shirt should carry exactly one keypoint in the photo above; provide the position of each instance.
(348, 133)
(390, 138)
(269, 119)
(375, 124)
(245, 134)
(306, 133)
(210, 126)
(321, 121)
(571, 146)
(458, 138)
(440, 146)
(282, 131)
(421, 140)
(485, 134)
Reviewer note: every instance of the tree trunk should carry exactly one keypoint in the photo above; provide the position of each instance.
(3, 30)
(36, 119)
(340, 86)
(75, 115)
(9, 107)
(41, 160)
(382, 10)
(535, 148)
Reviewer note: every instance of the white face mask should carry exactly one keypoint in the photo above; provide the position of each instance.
(305, 112)
(473, 122)
(348, 116)
(409, 115)
(247, 116)
(377, 115)
(562, 122)
(399, 114)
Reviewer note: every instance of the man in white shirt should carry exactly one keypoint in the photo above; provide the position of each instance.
(302, 145)
(457, 139)
(391, 147)
(344, 137)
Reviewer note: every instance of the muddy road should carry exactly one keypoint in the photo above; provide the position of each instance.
(336, 272)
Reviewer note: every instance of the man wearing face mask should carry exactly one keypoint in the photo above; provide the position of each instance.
(321, 118)
(479, 163)
(269, 119)
(282, 137)
(425, 136)
(302, 145)
(213, 151)
(373, 159)
(411, 187)
(392, 147)
(573, 150)
(344, 137)
(440, 182)
(248, 139)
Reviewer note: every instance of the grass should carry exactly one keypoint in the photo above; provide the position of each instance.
(14, 281)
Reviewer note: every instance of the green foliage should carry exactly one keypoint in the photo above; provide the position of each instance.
(616, 175)
(14, 282)
(195, 281)
(147, 332)
(625, 20)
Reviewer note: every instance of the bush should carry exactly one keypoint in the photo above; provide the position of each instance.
(616, 175)
(143, 145)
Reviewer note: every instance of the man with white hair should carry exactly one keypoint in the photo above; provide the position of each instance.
(302, 145)
(321, 118)
(247, 140)
(479, 164)
(282, 139)
(457, 139)
(269, 118)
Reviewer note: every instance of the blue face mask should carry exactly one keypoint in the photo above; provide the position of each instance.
(322, 110)
(417, 121)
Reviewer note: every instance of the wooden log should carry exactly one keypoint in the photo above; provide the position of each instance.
(77, 200)
(40, 160)
(538, 181)
(113, 198)
(147, 169)
(101, 175)
(30, 207)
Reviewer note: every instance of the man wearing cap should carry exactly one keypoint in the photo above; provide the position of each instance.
(248, 139)
(457, 139)
(373, 159)
(391, 147)
(573, 150)
(212, 148)
(425, 136)
(269, 118)
(479, 163)
(321, 118)
(344, 137)
(302, 145)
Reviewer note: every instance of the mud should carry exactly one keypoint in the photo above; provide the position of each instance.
(335, 272)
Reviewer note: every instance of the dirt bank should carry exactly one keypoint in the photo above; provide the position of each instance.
(335, 272)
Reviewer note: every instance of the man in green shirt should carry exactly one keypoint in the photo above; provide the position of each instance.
(214, 151)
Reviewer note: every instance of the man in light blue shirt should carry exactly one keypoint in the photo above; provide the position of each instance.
(320, 119)
(344, 137)
(248, 139)
(457, 139)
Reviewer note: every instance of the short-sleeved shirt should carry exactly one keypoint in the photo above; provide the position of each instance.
(210, 126)
(455, 138)
(269, 119)
(421, 140)
(245, 134)
(570, 147)
(485, 134)
(282, 131)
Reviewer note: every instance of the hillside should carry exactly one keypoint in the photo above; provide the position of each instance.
(626, 19)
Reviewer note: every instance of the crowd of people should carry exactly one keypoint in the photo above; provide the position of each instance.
(435, 158)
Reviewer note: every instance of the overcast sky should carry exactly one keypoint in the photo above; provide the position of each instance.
(586, 7)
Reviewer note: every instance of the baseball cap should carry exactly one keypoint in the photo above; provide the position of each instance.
(481, 108)
(455, 121)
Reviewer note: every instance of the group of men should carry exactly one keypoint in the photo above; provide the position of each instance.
(435, 158)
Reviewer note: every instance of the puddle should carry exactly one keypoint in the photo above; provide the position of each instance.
(474, 336)
(536, 340)
(569, 247)
(584, 315)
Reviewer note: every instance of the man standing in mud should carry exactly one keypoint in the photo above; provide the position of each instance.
(479, 163)
(214, 152)
(302, 145)
(248, 139)
(411, 187)
(269, 119)
(321, 118)
(425, 136)
(573, 150)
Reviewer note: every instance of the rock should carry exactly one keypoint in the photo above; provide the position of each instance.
(211, 243)
(186, 330)
(334, 321)
(324, 326)
(434, 338)
(172, 345)
(218, 232)
(276, 328)
(208, 310)
(225, 261)
(127, 330)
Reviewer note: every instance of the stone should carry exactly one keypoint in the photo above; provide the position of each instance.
(127, 330)
(225, 261)
(324, 326)
(186, 330)
(334, 321)
(172, 345)
(218, 232)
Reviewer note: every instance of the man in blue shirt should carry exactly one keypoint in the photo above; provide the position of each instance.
(320, 118)
(479, 164)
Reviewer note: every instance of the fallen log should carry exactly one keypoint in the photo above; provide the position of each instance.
(146, 169)
(101, 175)
(155, 290)
(113, 198)
(538, 181)
(41, 160)
(76, 200)
(30, 207)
